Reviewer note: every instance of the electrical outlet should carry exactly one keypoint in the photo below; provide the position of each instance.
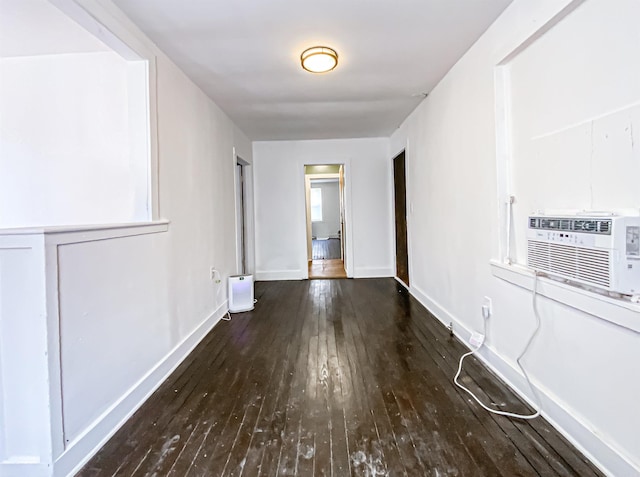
(487, 309)
(476, 339)
(213, 272)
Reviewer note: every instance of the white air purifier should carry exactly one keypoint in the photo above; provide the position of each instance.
(240, 293)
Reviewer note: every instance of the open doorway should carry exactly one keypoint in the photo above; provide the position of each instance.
(324, 186)
(400, 204)
(243, 233)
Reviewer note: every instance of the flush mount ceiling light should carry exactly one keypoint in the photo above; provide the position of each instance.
(319, 59)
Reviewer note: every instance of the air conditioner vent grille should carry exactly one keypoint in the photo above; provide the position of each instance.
(582, 225)
(587, 265)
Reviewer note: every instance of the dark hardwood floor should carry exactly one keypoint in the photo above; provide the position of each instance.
(326, 249)
(332, 377)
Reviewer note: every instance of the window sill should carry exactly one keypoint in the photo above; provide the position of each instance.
(621, 312)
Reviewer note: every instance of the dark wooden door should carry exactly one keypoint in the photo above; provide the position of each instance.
(400, 196)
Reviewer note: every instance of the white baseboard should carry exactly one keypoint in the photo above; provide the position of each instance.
(274, 275)
(373, 272)
(401, 282)
(572, 427)
(100, 431)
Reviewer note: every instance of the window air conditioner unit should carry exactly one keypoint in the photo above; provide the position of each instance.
(597, 251)
(240, 293)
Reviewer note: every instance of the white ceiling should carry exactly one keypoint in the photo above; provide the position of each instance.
(36, 27)
(245, 55)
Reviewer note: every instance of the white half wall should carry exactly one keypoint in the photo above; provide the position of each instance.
(281, 247)
(582, 364)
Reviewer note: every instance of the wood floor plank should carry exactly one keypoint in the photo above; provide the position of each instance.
(332, 378)
(335, 396)
(321, 269)
(445, 362)
(542, 461)
(387, 455)
(477, 461)
(241, 402)
(288, 457)
(325, 249)
(163, 405)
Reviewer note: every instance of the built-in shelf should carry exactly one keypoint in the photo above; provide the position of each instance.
(621, 311)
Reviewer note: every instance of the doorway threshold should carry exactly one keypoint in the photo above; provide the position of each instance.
(320, 269)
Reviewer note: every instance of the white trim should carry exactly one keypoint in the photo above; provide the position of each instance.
(408, 212)
(504, 129)
(97, 434)
(408, 209)
(88, 233)
(348, 217)
(618, 311)
(275, 275)
(401, 282)
(574, 428)
(247, 199)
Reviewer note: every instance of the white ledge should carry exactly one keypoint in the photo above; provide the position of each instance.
(620, 311)
(61, 234)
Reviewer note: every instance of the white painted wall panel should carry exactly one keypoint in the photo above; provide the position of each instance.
(280, 204)
(114, 321)
(24, 419)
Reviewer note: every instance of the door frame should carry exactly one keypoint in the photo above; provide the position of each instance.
(307, 190)
(348, 239)
(249, 236)
(408, 212)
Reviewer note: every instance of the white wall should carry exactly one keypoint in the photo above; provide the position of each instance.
(67, 141)
(330, 223)
(571, 140)
(196, 192)
(281, 247)
(128, 307)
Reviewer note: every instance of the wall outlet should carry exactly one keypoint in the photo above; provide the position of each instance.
(476, 339)
(487, 309)
(213, 273)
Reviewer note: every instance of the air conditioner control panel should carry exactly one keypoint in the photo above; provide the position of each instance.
(569, 238)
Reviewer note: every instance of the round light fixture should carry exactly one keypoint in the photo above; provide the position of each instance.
(319, 59)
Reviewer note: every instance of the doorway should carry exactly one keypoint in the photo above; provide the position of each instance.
(241, 216)
(400, 201)
(324, 186)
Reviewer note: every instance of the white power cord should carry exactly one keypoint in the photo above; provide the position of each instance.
(524, 372)
(218, 280)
